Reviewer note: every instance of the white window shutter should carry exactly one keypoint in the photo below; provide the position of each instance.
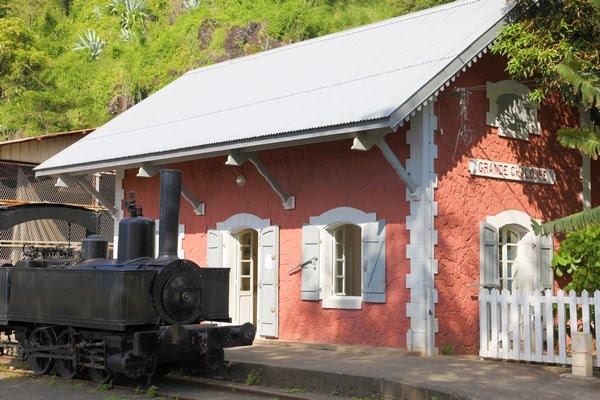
(310, 271)
(268, 256)
(545, 254)
(215, 248)
(488, 255)
(373, 262)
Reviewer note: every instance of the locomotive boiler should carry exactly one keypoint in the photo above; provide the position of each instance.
(130, 316)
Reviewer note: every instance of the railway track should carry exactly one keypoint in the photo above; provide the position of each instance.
(172, 386)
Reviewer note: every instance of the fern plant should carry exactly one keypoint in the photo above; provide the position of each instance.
(92, 42)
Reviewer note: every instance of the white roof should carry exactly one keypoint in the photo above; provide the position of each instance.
(369, 77)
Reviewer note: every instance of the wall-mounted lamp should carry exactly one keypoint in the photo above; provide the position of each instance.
(240, 180)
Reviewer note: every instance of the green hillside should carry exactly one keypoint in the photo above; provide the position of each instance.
(72, 64)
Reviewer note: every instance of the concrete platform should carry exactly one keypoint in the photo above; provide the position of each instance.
(351, 371)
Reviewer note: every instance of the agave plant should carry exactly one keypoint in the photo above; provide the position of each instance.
(92, 42)
(96, 13)
(189, 5)
(130, 12)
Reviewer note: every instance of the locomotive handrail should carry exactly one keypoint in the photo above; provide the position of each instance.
(302, 265)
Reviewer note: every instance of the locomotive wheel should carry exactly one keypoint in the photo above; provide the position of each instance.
(65, 367)
(41, 337)
(99, 376)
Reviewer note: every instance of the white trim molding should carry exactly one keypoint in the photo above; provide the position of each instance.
(341, 215)
(243, 220)
(510, 217)
(119, 197)
(586, 166)
(423, 236)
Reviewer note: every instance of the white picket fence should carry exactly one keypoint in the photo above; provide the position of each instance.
(522, 327)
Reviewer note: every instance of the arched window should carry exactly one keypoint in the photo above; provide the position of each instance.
(511, 110)
(509, 271)
(347, 280)
(512, 256)
(343, 259)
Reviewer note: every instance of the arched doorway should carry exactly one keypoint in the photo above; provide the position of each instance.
(246, 273)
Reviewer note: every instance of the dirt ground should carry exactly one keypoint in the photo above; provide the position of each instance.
(19, 387)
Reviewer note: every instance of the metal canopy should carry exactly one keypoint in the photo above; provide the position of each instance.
(326, 88)
(17, 214)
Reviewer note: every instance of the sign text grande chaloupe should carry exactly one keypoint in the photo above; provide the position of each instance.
(513, 172)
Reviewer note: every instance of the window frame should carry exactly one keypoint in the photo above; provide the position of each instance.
(330, 298)
(534, 253)
(493, 92)
(318, 266)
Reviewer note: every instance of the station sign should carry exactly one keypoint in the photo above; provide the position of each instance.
(511, 172)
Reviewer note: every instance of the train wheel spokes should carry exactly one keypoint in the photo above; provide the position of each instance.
(66, 367)
(99, 376)
(40, 362)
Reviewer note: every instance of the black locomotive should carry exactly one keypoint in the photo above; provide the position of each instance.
(132, 316)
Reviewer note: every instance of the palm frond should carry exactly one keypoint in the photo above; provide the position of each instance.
(569, 223)
(585, 84)
(586, 140)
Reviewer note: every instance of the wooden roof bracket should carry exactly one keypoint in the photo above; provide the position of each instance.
(365, 142)
(238, 158)
(148, 171)
(65, 180)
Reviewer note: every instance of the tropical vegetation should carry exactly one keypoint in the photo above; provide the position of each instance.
(556, 44)
(72, 64)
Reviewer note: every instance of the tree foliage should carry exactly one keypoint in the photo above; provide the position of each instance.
(579, 258)
(556, 44)
(547, 38)
(71, 64)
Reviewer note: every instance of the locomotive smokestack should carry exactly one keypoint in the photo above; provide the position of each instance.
(170, 197)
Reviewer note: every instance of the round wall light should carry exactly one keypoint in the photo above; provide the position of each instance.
(240, 180)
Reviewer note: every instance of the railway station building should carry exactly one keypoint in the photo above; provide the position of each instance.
(362, 186)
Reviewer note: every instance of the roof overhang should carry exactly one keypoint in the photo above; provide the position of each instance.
(313, 136)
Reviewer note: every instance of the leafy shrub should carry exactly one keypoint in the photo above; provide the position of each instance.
(578, 259)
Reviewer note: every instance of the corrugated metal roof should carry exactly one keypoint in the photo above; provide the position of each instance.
(371, 76)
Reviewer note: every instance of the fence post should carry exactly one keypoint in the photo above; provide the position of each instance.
(515, 326)
(493, 351)
(549, 326)
(483, 323)
(597, 315)
(562, 325)
(582, 354)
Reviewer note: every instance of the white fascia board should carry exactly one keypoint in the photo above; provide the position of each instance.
(319, 135)
(428, 91)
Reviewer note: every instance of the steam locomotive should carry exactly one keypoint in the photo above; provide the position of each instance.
(132, 316)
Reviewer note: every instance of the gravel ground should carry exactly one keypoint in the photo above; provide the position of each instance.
(28, 387)
(19, 387)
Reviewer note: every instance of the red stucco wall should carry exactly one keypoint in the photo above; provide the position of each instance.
(322, 177)
(330, 175)
(464, 201)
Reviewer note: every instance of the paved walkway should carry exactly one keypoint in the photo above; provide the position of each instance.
(393, 374)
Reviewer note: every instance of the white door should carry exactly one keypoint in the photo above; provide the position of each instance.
(246, 264)
(268, 284)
